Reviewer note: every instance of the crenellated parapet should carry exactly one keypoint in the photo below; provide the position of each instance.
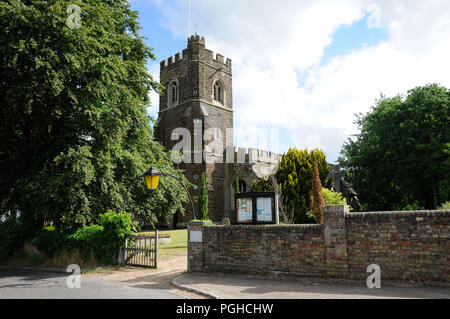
(243, 155)
(172, 61)
(196, 51)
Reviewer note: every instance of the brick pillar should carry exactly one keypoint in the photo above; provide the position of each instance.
(195, 246)
(335, 241)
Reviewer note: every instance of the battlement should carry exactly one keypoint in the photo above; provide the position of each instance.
(171, 60)
(220, 59)
(196, 39)
(251, 155)
(196, 43)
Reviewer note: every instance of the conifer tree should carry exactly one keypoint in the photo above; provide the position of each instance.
(202, 202)
(317, 201)
(294, 176)
(236, 185)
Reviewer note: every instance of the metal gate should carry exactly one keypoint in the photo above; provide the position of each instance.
(141, 251)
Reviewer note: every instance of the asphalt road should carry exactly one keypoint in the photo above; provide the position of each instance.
(21, 284)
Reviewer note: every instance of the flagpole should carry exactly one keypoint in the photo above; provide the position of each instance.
(189, 18)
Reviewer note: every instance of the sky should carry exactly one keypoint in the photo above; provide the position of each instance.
(303, 69)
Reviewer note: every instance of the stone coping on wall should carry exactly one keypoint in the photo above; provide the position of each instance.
(415, 213)
(266, 227)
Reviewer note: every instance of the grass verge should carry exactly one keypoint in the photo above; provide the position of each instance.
(177, 246)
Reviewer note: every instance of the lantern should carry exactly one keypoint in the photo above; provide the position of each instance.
(151, 178)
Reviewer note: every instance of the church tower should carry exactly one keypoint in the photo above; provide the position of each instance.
(198, 97)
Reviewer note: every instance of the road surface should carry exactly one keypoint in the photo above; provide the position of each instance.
(20, 284)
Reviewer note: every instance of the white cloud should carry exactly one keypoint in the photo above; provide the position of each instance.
(273, 43)
(153, 108)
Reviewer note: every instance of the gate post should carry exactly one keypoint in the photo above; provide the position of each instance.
(156, 249)
(195, 246)
(121, 257)
(336, 261)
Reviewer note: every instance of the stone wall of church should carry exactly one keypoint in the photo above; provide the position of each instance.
(195, 71)
(245, 173)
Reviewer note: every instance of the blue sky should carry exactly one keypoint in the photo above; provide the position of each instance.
(161, 39)
(306, 67)
(353, 37)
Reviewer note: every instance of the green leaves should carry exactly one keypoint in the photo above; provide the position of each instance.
(261, 185)
(401, 153)
(295, 178)
(333, 198)
(74, 125)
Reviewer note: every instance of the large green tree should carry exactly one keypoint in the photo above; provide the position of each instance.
(74, 125)
(294, 176)
(402, 154)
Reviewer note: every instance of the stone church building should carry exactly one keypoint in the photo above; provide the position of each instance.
(199, 97)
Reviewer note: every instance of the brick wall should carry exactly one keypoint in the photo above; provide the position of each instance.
(296, 249)
(406, 245)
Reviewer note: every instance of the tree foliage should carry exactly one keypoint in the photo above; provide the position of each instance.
(74, 125)
(333, 198)
(295, 179)
(402, 153)
(261, 185)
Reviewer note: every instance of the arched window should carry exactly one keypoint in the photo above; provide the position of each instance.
(173, 93)
(218, 92)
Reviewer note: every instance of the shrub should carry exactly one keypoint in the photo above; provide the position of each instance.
(102, 241)
(50, 241)
(414, 206)
(261, 185)
(333, 198)
(294, 176)
(87, 240)
(445, 206)
(11, 238)
(116, 226)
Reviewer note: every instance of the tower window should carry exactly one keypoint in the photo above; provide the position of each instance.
(218, 92)
(173, 93)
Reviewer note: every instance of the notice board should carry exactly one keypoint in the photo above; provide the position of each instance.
(256, 208)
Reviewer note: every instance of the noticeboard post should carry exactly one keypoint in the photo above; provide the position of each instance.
(256, 208)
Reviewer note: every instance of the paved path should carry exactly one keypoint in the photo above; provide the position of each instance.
(244, 287)
(169, 268)
(19, 284)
